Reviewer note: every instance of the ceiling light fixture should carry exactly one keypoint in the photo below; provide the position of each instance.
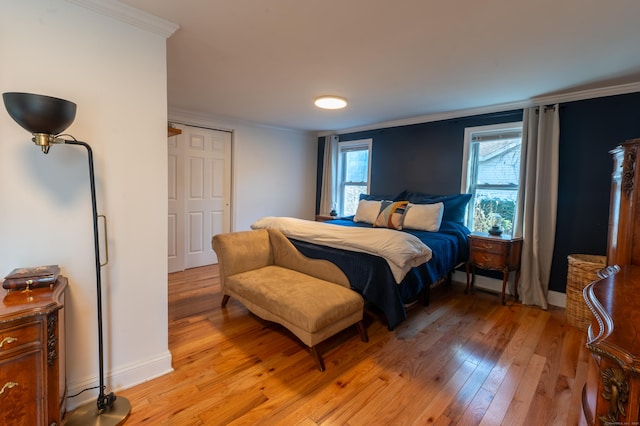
(330, 102)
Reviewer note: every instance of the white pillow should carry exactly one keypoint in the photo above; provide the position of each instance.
(423, 217)
(367, 211)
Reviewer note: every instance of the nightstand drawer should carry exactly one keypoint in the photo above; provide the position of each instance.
(488, 260)
(498, 247)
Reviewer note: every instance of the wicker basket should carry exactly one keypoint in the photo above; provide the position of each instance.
(583, 269)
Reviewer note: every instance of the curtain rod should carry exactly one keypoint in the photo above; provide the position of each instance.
(171, 122)
(546, 108)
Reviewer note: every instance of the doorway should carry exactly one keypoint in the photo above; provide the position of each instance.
(199, 194)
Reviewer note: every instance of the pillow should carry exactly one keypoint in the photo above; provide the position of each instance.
(367, 211)
(455, 206)
(414, 197)
(391, 214)
(423, 217)
(375, 197)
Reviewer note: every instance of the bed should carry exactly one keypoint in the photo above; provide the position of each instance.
(370, 272)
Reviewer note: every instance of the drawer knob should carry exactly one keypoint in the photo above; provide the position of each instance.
(7, 340)
(8, 385)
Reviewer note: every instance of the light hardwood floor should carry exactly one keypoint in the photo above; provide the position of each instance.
(463, 360)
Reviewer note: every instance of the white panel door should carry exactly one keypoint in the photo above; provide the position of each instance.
(206, 191)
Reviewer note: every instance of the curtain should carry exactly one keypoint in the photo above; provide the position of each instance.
(537, 207)
(329, 175)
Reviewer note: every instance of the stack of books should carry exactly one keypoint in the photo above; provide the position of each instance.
(31, 277)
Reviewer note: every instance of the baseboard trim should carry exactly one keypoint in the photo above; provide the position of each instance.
(554, 298)
(123, 378)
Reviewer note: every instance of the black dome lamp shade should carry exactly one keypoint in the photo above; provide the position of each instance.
(43, 116)
(39, 113)
(46, 117)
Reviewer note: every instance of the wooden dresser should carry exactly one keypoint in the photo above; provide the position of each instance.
(623, 247)
(32, 363)
(612, 392)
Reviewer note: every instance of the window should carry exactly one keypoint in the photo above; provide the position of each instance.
(354, 171)
(491, 173)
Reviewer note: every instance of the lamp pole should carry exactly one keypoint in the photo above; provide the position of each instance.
(103, 401)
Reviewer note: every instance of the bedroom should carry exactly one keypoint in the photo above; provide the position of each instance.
(133, 107)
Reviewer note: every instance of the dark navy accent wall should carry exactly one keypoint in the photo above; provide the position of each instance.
(422, 157)
(588, 130)
(427, 157)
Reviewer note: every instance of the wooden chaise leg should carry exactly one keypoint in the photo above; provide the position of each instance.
(317, 358)
(225, 299)
(363, 331)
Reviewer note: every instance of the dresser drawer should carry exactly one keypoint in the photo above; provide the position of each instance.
(13, 337)
(21, 389)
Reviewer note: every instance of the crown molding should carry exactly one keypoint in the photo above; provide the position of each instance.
(536, 101)
(581, 95)
(129, 15)
(228, 124)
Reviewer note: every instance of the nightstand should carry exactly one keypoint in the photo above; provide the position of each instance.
(498, 253)
(324, 217)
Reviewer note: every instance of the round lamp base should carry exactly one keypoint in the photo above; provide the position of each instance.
(88, 414)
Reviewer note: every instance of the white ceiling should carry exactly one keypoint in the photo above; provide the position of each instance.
(265, 61)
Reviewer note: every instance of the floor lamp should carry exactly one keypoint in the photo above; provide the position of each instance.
(45, 118)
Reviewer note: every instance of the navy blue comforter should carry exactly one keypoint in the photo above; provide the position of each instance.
(371, 276)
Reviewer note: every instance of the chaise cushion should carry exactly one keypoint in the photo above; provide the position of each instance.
(309, 303)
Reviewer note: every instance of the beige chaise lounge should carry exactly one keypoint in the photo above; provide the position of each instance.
(272, 279)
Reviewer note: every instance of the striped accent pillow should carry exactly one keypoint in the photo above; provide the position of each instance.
(391, 214)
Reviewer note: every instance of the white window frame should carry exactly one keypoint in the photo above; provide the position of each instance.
(466, 184)
(342, 148)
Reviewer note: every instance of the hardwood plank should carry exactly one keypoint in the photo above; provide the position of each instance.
(495, 340)
(518, 412)
(476, 409)
(358, 404)
(435, 409)
(519, 346)
(463, 360)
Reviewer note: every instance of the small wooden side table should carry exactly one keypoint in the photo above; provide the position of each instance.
(498, 253)
(324, 218)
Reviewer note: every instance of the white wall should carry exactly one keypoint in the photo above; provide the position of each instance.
(116, 74)
(274, 169)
